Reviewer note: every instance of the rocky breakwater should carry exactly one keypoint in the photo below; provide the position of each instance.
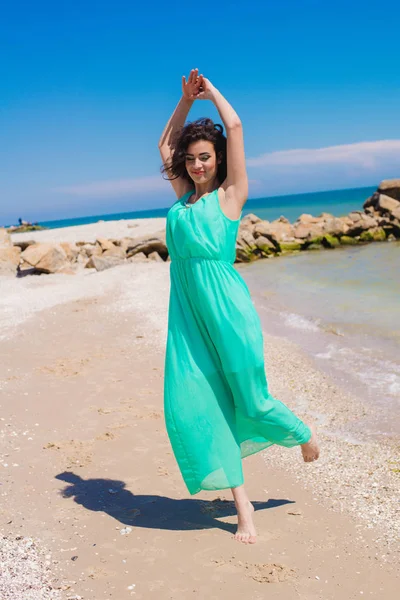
(34, 258)
(378, 221)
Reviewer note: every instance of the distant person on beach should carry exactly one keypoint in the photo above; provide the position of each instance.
(218, 408)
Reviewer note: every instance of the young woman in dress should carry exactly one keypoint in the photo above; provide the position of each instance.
(218, 408)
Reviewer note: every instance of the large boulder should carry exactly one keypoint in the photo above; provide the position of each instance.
(101, 263)
(115, 251)
(105, 244)
(306, 219)
(5, 238)
(46, 258)
(147, 245)
(303, 231)
(250, 219)
(386, 204)
(71, 250)
(90, 249)
(277, 231)
(9, 260)
(390, 187)
(265, 245)
(246, 239)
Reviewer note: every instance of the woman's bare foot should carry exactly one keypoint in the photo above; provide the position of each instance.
(310, 450)
(246, 532)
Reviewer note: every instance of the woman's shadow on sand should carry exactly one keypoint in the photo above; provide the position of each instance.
(150, 511)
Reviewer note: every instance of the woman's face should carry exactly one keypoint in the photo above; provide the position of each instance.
(201, 161)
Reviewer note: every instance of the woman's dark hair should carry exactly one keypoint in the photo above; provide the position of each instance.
(201, 129)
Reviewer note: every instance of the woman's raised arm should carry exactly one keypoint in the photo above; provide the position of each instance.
(236, 182)
(176, 122)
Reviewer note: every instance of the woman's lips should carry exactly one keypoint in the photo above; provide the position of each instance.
(197, 172)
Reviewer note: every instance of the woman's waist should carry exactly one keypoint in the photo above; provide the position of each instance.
(194, 259)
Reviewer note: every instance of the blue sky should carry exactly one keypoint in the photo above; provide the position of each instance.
(87, 87)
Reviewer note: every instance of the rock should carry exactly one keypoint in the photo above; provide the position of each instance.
(139, 257)
(5, 238)
(362, 223)
(9, 260)
(250, 219)
(355, 215)
(26, 269)
(71, 250)
(334, 225)
(329, 241)
(378, 234)
(387, 204)
(315, 246)
(306, 232)
(125, 243)
(105, 244)
(265, 245)
(244, 254)
(246, 239)
(347, 240)
(24, 244)
(390, 187)
(147, 245)
(46, 258)
(306, 219)
(279, 230)
(101, 263)
(115, 251)
(263, 228)
(372, 201)
(396, 213)
(92, 250)
(290, 246)
(282, 230)
(155, 256)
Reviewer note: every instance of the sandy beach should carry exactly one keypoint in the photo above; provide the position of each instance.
(88, 473)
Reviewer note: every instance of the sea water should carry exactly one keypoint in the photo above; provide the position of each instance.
(338, 203)
(342, 306)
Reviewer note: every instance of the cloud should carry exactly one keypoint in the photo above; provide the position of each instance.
(116, 188)
(364, 155)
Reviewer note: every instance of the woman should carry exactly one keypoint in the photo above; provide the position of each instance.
(217, 405)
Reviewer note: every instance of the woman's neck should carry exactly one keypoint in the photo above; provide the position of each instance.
(202, 190)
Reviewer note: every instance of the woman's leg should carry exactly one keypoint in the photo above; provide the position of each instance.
(310, 450)
(246, 532)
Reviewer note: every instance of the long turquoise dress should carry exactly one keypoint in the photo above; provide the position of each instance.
(217, 405)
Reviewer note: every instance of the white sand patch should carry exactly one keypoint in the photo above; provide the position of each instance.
(134, 285)
(89, 233)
